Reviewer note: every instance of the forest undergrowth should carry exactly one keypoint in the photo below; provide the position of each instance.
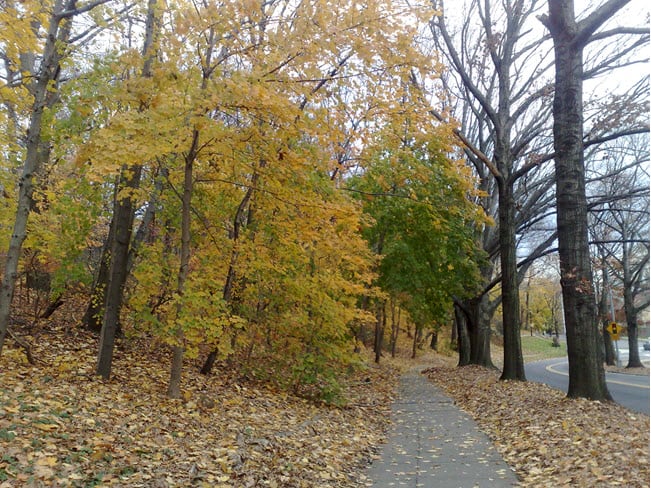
(61, 425)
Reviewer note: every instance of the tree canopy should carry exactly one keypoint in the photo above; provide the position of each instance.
(206, 180)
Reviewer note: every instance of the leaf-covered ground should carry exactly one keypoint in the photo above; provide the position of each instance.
(552, 441)
(62, 426)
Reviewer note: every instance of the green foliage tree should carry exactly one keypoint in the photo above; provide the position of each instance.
(422, 224)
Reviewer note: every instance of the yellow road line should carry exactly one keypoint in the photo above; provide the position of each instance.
(551, 369)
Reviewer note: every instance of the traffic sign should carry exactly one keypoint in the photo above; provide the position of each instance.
(614, 329)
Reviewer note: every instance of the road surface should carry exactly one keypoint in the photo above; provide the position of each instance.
(631, 391)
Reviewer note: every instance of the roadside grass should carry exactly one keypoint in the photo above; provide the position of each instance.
(536, 348)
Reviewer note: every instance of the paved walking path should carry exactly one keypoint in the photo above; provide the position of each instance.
(433, 444)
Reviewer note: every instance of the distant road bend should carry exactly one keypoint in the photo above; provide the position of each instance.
(630, 391)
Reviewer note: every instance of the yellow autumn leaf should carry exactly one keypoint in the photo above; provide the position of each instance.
(47, 461)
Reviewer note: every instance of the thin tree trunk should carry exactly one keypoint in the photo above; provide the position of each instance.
(631, 330)
(454, 332)
(92, 319)
(629, 306)
(433, 344)
(395, 327)
(238, 221)
(174, 388)
(143, 233)
(44, 91)
(380, 323)
(177, 360)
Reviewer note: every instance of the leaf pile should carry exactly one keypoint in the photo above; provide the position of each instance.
(551, 440)
(62, 426)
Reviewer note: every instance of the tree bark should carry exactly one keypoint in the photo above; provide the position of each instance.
(513, 361)
(631, 330)
(479, 330)
(586, 371)
(123, 217)
(461, 321)
(92, 319)
(629, 304)
(434, 340)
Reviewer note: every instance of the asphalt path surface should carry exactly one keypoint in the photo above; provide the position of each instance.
(631, 391)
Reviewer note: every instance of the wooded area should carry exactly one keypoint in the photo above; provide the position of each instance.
(273, 185)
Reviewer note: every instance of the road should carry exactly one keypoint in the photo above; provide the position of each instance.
(631, 391)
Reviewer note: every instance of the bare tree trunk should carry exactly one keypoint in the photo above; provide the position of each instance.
(629, 304)
(586, 371)
(433, 343)
(380, 324)
(395, 327)
(418, 335)
(44, 91)
(123, 217)
(92, 319)
(174, 388)
(513, 361)
(238, 221)
(454, 332)
(460, 320)
(479, 331)
(631, 330)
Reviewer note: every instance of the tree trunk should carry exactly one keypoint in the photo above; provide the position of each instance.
(460, 320)
(238, 221)
(418, 334)
(586, 371)
(629, 305)
(123, 218)
(454, 332)
(44, 91)
(395, 327)
(380, 324)
(513, 361)
(174, 388)
(433, 343)
(92, 319)
(479, 331)
(631, 330)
